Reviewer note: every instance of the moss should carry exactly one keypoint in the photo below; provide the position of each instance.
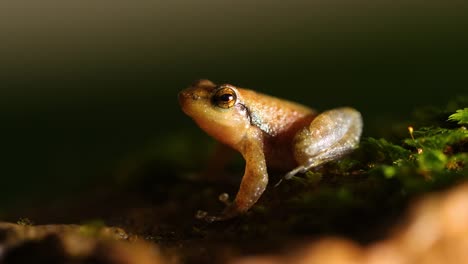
(353, 195)
(25, 222)
(92, 228)
(461, 116)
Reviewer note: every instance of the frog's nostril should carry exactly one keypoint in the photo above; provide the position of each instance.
(187, 95)
(182, 96)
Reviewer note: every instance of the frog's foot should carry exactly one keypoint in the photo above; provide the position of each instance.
(203, 215)
(224, 198)
(301, 169)
(227, 213)
(289, 175)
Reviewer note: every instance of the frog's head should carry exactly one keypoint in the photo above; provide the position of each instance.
(216, 109)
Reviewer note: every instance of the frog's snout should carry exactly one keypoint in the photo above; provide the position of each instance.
(183, 97)
(186, 95)
(187, 99)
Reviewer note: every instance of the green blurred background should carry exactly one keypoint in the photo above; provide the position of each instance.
(88, 86)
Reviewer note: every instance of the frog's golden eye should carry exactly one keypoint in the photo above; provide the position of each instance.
(225, 98)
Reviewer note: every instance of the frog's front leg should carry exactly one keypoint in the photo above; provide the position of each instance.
(254, 181)
(329, 136)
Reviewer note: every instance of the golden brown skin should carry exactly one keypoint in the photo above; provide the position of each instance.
(268, 132)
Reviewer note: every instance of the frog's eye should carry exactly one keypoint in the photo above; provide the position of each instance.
(225, 97)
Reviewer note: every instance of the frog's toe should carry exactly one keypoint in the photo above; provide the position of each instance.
(212, 218)
(201, 214)
(204, 216)
(289, 175)
(224, 198)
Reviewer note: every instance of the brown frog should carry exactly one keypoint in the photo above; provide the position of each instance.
(269, 133)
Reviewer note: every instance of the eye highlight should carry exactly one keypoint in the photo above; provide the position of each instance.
(225, 97)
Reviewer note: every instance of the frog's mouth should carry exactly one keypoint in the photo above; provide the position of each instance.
(187, 100)
(184, 101)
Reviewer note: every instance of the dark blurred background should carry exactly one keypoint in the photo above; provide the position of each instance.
(88, 88)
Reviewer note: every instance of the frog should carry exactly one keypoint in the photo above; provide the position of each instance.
(269, 133)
